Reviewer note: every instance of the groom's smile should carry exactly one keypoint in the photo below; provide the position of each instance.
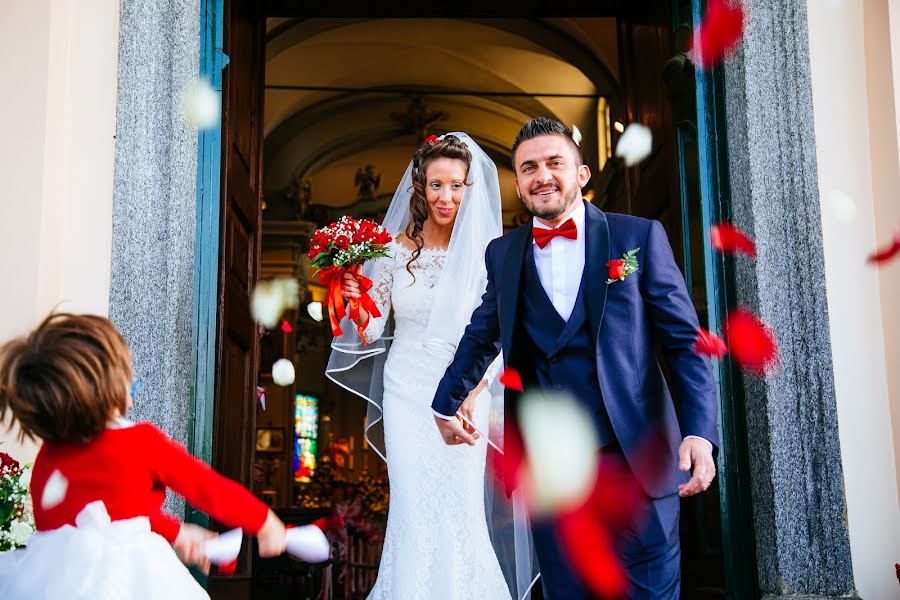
(549, 176)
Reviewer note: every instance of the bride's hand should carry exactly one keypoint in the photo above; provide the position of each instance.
(350, 286)
(466, 412)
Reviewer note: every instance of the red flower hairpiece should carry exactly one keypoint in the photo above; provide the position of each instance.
(431, 139)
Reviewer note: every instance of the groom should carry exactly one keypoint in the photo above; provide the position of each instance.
(549, 308)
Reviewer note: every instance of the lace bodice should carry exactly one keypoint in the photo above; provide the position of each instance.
(409, 298)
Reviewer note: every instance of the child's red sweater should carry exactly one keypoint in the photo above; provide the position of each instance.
(129, 469)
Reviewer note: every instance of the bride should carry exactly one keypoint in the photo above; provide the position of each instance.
(444, 213)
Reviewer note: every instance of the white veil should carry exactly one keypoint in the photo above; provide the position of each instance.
(358, 367)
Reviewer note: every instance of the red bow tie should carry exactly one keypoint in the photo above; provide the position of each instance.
(543, 236)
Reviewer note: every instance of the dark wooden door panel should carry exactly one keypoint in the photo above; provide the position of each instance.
(233, 442)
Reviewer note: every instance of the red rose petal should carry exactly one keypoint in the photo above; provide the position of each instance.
(885, 254)
(286, 327)
(511, 379)
(719, 33)
(507, 466)
(591, 554)
(728, 239)
(227, 568)
(709, 344)
(587, 533)
(751, 344)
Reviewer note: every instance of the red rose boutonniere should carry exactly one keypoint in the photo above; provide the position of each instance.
(620, 268)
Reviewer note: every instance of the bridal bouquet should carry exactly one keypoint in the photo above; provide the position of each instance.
(16, 518)
(344, 247)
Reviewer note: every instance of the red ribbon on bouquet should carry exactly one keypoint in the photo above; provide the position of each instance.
(332, 277)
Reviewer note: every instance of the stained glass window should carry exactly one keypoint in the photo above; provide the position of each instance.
(306, 436)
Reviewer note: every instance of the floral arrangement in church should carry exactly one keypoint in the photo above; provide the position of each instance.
(16, 516)
(344, 246)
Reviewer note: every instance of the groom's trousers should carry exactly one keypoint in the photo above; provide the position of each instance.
(649, 550)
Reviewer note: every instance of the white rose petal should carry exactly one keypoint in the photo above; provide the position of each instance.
(201, 105)
(271, 298)
(842, 206)
(561, 445)
(283, 372)
(576, 135)
(635, 144)
(315, 310)
(54, 490)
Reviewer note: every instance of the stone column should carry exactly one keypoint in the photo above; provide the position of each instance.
(154, 206)
(803, 549)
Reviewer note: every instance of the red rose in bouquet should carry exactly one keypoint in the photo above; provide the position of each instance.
(344, 246)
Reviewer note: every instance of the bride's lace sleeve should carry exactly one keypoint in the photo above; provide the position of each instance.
(382, 282)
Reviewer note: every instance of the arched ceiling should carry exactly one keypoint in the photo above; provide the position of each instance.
(326, 135)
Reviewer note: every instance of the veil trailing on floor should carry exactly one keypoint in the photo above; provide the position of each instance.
(359, 367)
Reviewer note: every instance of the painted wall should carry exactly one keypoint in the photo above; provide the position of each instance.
(857, 152)
(59, 59)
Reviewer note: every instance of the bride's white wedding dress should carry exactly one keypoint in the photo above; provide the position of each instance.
(436, 546)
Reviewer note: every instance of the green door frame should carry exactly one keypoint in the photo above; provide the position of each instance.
(206, 248)
(738, 542)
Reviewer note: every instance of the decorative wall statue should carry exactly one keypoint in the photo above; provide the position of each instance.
(299, 195)
(366, 182)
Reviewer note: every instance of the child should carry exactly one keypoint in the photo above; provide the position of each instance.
(99, 481)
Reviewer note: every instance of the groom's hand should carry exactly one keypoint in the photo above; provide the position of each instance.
(696, 452)
(454, 433)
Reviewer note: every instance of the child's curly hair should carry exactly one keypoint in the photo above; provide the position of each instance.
(63, 380)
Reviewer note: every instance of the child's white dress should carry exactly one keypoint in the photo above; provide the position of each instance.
(97, 560)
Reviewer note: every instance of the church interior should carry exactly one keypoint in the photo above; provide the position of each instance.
(347, 102)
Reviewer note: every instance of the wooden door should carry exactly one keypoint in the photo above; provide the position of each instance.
(234, 430)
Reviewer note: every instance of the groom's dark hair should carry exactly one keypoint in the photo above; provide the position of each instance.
(544, 126)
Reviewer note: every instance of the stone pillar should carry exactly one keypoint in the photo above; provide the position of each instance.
(803, 548)
(154, 206)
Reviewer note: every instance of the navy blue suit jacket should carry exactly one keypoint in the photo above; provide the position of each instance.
(626, 317)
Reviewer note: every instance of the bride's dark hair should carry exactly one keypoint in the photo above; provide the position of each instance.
(449, 146)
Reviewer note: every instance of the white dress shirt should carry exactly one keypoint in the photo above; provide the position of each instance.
(560, 264)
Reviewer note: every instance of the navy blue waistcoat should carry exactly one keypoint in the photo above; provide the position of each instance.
(561, 354)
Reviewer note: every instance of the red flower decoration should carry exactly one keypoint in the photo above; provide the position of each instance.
(709, 344)
(342, 242)
(883, 255)
(431, 139)
(752, 345)
(719, 33)
(286, 327)
(728, 239)
(616, 268)
(511, 379)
